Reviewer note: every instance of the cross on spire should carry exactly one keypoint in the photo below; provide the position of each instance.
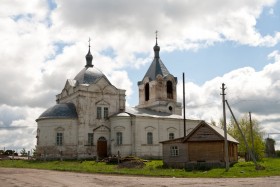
(156, 36)
(89, 42)
(89, 56)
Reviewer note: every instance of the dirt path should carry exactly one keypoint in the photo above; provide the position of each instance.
(11, 177)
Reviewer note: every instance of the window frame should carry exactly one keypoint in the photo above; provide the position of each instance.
(171, 136)
(102, 112)
(99, 112)
(59, 139)
(149, 138)
(174, 151)
(119, 138)
(90, 138)
(105, 112)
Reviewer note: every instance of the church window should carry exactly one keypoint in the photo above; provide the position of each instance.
(119, 138)
(174, 151)
(149, 138)
(106, 112)
(59, 138)
(98, 113)
(169, 90)
(102, 112)
(147, 92)
(90, 138)
(171, 136)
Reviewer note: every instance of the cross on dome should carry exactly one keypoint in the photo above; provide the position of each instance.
(89, 42)
(89, 56)
(156, 36)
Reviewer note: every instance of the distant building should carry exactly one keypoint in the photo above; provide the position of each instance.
(203, 147)
(91, 120)
(270, 148)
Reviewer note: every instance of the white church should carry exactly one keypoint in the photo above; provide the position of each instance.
(90, 119)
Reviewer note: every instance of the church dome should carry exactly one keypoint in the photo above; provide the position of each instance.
(88, 75)
(61, 110)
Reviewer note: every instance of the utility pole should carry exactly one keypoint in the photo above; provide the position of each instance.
(243, 136)
(225, 127)
(252, 134)
(184, 105)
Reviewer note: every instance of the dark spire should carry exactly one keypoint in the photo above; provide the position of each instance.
(156, 47)
(89, 56)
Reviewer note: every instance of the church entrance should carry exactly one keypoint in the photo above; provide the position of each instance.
(102, 147)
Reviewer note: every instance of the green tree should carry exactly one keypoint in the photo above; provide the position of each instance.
(23, 152)
(277, 153)
(259, 144)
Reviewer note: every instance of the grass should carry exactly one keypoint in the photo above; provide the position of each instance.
(152, 168)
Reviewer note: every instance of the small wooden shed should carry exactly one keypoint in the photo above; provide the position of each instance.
(203, 147)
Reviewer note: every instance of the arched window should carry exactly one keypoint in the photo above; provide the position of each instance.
(147, 92)
(119, 138)
(171, 136)
(149, 138)
(169, 90)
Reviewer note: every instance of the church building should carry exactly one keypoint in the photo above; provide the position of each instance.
(90, 119)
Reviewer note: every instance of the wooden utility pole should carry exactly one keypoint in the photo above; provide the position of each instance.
(184, 105)
(225, 128)
(252, 134)
(243, 136)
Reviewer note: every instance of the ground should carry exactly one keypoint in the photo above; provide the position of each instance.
(13, 177)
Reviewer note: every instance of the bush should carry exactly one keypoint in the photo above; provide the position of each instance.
(277, 153)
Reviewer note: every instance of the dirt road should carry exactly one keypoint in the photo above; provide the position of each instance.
(11, 177)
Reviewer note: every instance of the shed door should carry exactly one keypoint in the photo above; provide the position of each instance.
(102, 147)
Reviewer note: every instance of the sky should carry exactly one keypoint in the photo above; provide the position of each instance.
(44, 43)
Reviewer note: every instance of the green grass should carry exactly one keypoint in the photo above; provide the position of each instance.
(152, 168)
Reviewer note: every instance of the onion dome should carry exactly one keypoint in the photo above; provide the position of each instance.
(89, 74)
(89, 58)
(156, 49)
(60, 111)
(157, 67)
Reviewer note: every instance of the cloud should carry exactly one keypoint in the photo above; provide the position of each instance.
(182, 24)
(18, 130)
(247, 90)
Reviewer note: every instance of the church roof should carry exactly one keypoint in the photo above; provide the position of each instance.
(61, 110)
(157, 67)
(89, 74)
(150, 113)
(218, 130)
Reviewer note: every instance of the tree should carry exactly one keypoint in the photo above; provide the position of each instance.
(23, 152)
(277, 153)
(9, 152)
(259, 144)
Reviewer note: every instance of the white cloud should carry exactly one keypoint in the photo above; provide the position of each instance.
(247, 90)
(18, 130)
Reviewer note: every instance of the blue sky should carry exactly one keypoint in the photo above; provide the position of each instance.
(44, 43)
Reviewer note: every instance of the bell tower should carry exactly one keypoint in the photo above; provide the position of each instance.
(158, 88)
